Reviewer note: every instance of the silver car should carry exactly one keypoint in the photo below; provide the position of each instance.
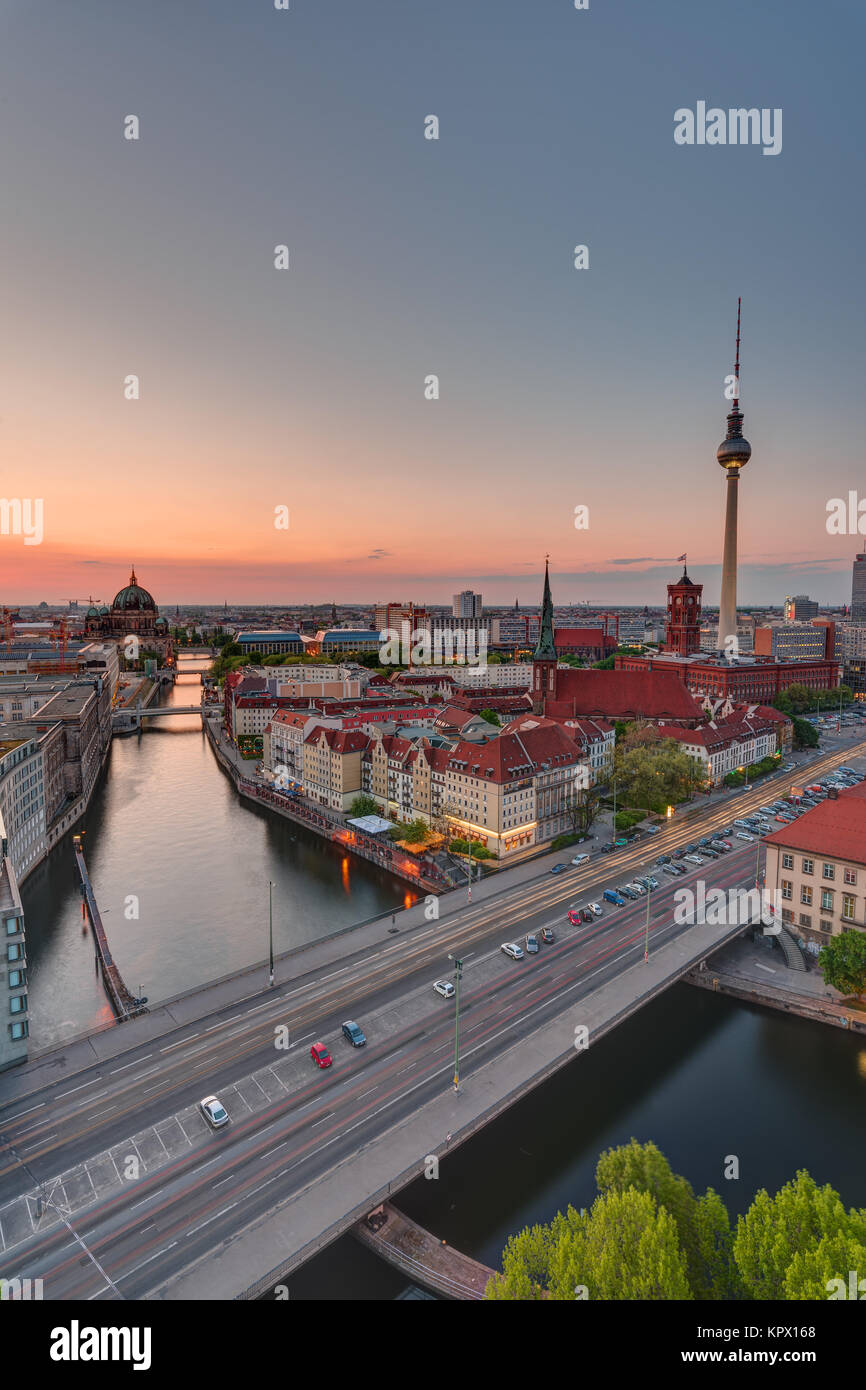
(214, 1112)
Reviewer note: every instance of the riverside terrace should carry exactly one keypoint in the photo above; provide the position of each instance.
(176, 1210)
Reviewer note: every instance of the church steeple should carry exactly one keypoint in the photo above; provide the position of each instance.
(546, 648)
(544, 656)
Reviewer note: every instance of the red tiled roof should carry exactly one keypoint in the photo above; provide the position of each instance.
(515, 754)
(623, 695)
(836, 828)
(583, 637)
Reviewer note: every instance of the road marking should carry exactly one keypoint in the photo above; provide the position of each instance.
(130, 1064)
(171, 1046)
(146, 1262)
(84, 1084)
(322, 1120)
(27, 1112)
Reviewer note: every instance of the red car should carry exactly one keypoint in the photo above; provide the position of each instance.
(320, 1055)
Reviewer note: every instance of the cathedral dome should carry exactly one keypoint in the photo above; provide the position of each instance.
(134, 599)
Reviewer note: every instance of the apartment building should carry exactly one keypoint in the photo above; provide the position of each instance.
(818, 864)
(332, 766)
(14, 1011)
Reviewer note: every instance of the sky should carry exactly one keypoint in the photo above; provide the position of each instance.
(281, 449)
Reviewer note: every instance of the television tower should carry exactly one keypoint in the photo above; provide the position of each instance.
(733, 454)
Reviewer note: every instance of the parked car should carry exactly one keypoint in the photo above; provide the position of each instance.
(353, 1034)
(596, 909)
(512, 950)
(620, 842)
(580, 859)
(547, 935)
(663, 859)
(626, 892)
(744, 835)
(653, 881)
(445, 988)
(532, 944)
(214, 1112)
(558, 869)
(606, 849)
(652, 829)
(320, 1055)
(672, 869)
(637, 887)
(709, 853)
(610, 895)
(679, 854)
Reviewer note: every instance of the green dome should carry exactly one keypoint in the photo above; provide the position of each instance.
(134, 599)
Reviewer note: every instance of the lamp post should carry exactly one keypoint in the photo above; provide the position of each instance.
(270, 933)
(649, 893)
(458, 968)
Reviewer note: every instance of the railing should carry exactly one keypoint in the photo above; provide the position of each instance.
(124, 1003)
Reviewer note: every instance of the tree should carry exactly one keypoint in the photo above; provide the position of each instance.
(582, 807)
(655, 775)
(784, 1243)
(805, 734)
(364, 805)
(843, 962)
(490, 717)
(703, 1226)
(624, 1248)
(416, 832)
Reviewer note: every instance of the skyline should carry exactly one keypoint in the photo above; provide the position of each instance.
(304, 388)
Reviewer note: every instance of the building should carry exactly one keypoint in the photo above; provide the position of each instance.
(14, 1008)
(683, 624)
(725, 745)
(271, 642)
(133, 615)
(732, 454)
(338, 641)
(466, 604)
(800, 608)
(858, 589)
(332, 766)
(744, 680)
(564, 693)
(589, 643)
(795, 641)
(518, 631)
(389, 616)
(818, 866)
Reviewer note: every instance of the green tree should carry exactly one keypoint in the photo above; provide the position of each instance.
(805, 734)
(363, 805)
(416, 832)
(625, 1248)
(800, 1220)
(843, 962)
(490, 717)
(703, 1226)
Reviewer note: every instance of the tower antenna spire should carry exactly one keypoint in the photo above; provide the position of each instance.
(737, 361)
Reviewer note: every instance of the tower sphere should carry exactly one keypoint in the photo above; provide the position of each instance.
(734, 452)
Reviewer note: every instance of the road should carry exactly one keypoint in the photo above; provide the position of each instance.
(150, 1188)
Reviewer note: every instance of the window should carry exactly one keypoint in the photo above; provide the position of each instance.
(787, 888)
(808, 866)
(19, 1030)
(851, 876)
(787, 861)
(18, 1004)
(806, 895)
(15, 950)
(848, 906)
(829, 870)
(13, 925)
(17, 979)
(827, 900)
(805, 919)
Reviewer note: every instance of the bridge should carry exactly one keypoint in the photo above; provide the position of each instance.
(130, 717)
(310, 1153)
(123, 1002)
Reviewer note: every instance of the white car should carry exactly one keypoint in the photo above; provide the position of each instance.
(445, 988)
(743, 835)
(637, 887)
(596, 909)
(510, 948)
(214, 1112)
(580, 859)
(694, 859)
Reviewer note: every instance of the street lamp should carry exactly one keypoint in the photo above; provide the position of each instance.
(458, 968)
(649, 893)
(271, 932)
